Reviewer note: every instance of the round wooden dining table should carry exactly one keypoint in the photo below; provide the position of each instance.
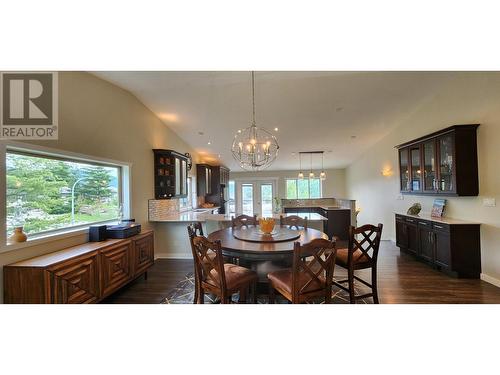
(266, 248)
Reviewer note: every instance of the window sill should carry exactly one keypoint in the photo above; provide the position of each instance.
(49, 237)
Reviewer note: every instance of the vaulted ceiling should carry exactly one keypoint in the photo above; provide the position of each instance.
(342, 113)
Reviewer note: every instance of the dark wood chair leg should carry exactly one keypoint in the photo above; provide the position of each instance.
(328, 296)
(243, 295)
(272, 297)
(374, 285)
(201, 295)
(254, 292)
(350, 277)
(196, 290)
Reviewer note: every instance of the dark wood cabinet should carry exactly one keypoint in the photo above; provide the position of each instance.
(80, 274)
(441, 163)
(203, 180)
(170, 174)
(425, 240)
(338, 223)
(453, 248)
(219, 176)
(212, 182)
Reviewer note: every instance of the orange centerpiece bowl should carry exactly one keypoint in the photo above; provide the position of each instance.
(267, 224)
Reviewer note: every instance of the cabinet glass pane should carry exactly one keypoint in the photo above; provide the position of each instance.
(415, 169)
(177, 177)
(184, 177)
(429, 166)
(403, 169)
(446, 163)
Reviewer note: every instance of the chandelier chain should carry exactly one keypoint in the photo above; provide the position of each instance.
(253, 98)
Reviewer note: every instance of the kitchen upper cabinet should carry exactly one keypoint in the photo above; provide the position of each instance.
(441, 163)
(171, 173)
(203, 180)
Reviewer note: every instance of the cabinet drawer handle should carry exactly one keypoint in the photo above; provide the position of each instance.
(410, 220)
(438, 226)
(422, 223)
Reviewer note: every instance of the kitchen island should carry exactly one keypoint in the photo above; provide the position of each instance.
(172, 228)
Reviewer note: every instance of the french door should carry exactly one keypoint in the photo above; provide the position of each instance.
(255, 197)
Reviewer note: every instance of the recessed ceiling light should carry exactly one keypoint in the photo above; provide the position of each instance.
(293, 153)
(218, 156)
(276, 129)
(353, 137)
(239, 130)
(209, 143)
(200, 133)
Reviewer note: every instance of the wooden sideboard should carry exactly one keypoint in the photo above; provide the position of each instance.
(80, 274)
(449, 245)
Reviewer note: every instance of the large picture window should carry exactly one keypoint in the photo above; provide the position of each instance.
(46, 193)
(303, 189)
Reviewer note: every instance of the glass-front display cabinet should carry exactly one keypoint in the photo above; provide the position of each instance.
(441, 163)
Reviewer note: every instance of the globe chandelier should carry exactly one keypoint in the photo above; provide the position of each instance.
(254, 148)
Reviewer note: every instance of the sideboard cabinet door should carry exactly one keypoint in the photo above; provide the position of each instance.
(143, 253)
(116, 267)
(74, 281)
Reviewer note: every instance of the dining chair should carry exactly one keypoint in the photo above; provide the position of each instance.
(243, 220)
(361, 253)
(219, 278)
(293, 221)
(311, 275)
(196, 229)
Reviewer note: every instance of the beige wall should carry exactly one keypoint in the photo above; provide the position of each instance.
(334, 185)
(99, 119)
(468, 98)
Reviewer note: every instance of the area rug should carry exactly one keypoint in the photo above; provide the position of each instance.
(183, 293)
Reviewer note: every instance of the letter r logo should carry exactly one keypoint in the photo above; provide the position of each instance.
(27, 99)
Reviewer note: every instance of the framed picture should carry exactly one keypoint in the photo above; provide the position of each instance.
(438, 207)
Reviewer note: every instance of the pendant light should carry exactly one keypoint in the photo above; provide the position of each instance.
(322, 175)
(311, 173)
(254, 148)
(301, 174)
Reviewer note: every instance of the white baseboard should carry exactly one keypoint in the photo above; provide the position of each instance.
(490, 279)
(173, 256)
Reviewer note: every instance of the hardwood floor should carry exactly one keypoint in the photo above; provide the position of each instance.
(401, 279)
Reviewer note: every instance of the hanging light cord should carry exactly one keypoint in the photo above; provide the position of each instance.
(253, 98)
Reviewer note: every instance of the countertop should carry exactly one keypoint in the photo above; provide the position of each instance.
(327, 208)
(443, 220)
(190, 216)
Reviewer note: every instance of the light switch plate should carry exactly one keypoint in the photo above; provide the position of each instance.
(489, 202)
